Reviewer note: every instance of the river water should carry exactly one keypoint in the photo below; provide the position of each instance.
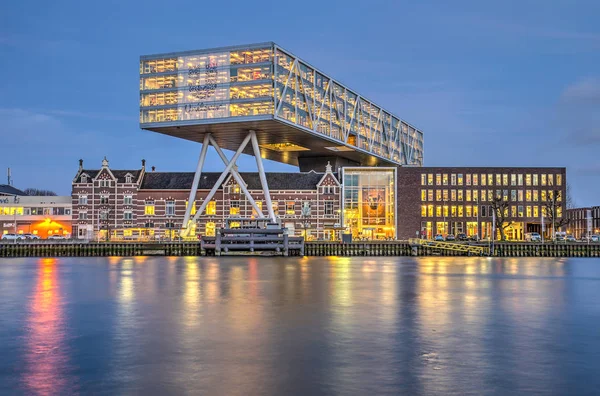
(305, 326)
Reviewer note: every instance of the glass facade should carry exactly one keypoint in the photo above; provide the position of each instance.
(267, 82)
(369, 202)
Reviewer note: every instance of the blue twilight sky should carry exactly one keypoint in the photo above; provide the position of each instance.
(491, 83)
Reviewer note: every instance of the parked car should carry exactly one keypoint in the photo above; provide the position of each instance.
(570, 238)
(31, 236)
(438, 238)
(533, 237)
(474, 238)
(462, 237)
(12, 237)
(56, 237)
(595, 238)
(450, 237)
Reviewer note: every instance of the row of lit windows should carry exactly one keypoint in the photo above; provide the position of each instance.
(488, 195)
(219, 77)
(234, 208)
(459, 179)
(486, 211)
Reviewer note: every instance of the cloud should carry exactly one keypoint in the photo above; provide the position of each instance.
(583, 91)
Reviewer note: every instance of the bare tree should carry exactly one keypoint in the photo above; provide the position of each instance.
(553, 209)
(569, 201)
(500, 208)
(36, 192)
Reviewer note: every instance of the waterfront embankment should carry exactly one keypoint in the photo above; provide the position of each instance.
(369, 248)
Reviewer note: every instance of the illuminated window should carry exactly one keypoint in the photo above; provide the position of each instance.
(475, 195)
(520, 209)
(460, 179)
(445, 179)
(468, 179)
(438, 211)
(234, 208)
(559, 180)
(513, 211)
(210, 228)
(445, 195)
(259, 204)
(490, 195)
(170, 208)
(460, 195)
(536, 212)
(475, 179)
(290, 208)
(193, 207)
(430, 179)
(430, 210)
(550, 180)
(423, 179)
(423, 195)
(543, 179)
(453, 179)
(505, 180)
(513, 180)
(453, 195)
(483, 180)
(505, 195)
(543, 197)
(535, 179)
(438, 195)
(275, 206)
(498, 179)
(535, 195)
(430, 195)
(460, 211)
(528, 180)
(468, 196)
(446, 210)
(236, 189)
(423, 210)
(149, 208)
(438, 179)
(520, 195)
(475, 210)
(543, 211)
(520, 179)
(453, 211)
(211, 208)
(468, 212)
(528, 211)
(483, 195)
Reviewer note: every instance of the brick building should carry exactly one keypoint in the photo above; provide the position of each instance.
(130, 203)
(578, 221)
(443, 200)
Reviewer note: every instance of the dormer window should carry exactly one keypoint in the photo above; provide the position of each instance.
(84, 178)
(128, 179)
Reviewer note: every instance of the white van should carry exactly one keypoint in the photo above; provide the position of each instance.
(533, 237)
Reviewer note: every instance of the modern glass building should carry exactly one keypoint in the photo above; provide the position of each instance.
(369, 202)
(296, 110)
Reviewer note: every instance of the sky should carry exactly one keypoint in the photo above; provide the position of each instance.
(490, 83)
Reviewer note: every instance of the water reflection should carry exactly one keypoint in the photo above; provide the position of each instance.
(47, 363)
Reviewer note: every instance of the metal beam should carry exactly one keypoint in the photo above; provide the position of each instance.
(185, 226)
(238, 178)
(263, 177)
(222, 177)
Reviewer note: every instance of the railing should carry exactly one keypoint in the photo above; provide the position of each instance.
(451, 246)
(252, 240)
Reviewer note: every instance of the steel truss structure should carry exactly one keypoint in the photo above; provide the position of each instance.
(313, 101)
(230, 168)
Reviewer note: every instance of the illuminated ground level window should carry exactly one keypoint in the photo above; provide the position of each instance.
(369, 202)
(210, 228)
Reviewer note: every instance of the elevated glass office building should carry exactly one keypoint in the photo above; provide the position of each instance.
(296, 110)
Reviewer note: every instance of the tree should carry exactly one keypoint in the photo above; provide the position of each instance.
(36, 192)
(500, 208)
(554, 210)
(569, 201)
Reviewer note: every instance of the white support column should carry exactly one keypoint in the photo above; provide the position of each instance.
(263, 177)
(237, 178)
(188, 210)
(222, 177)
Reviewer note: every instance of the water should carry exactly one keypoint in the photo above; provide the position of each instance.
(257, 326)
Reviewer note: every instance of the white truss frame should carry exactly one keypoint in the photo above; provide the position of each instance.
(230, 168)
(377, 131)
